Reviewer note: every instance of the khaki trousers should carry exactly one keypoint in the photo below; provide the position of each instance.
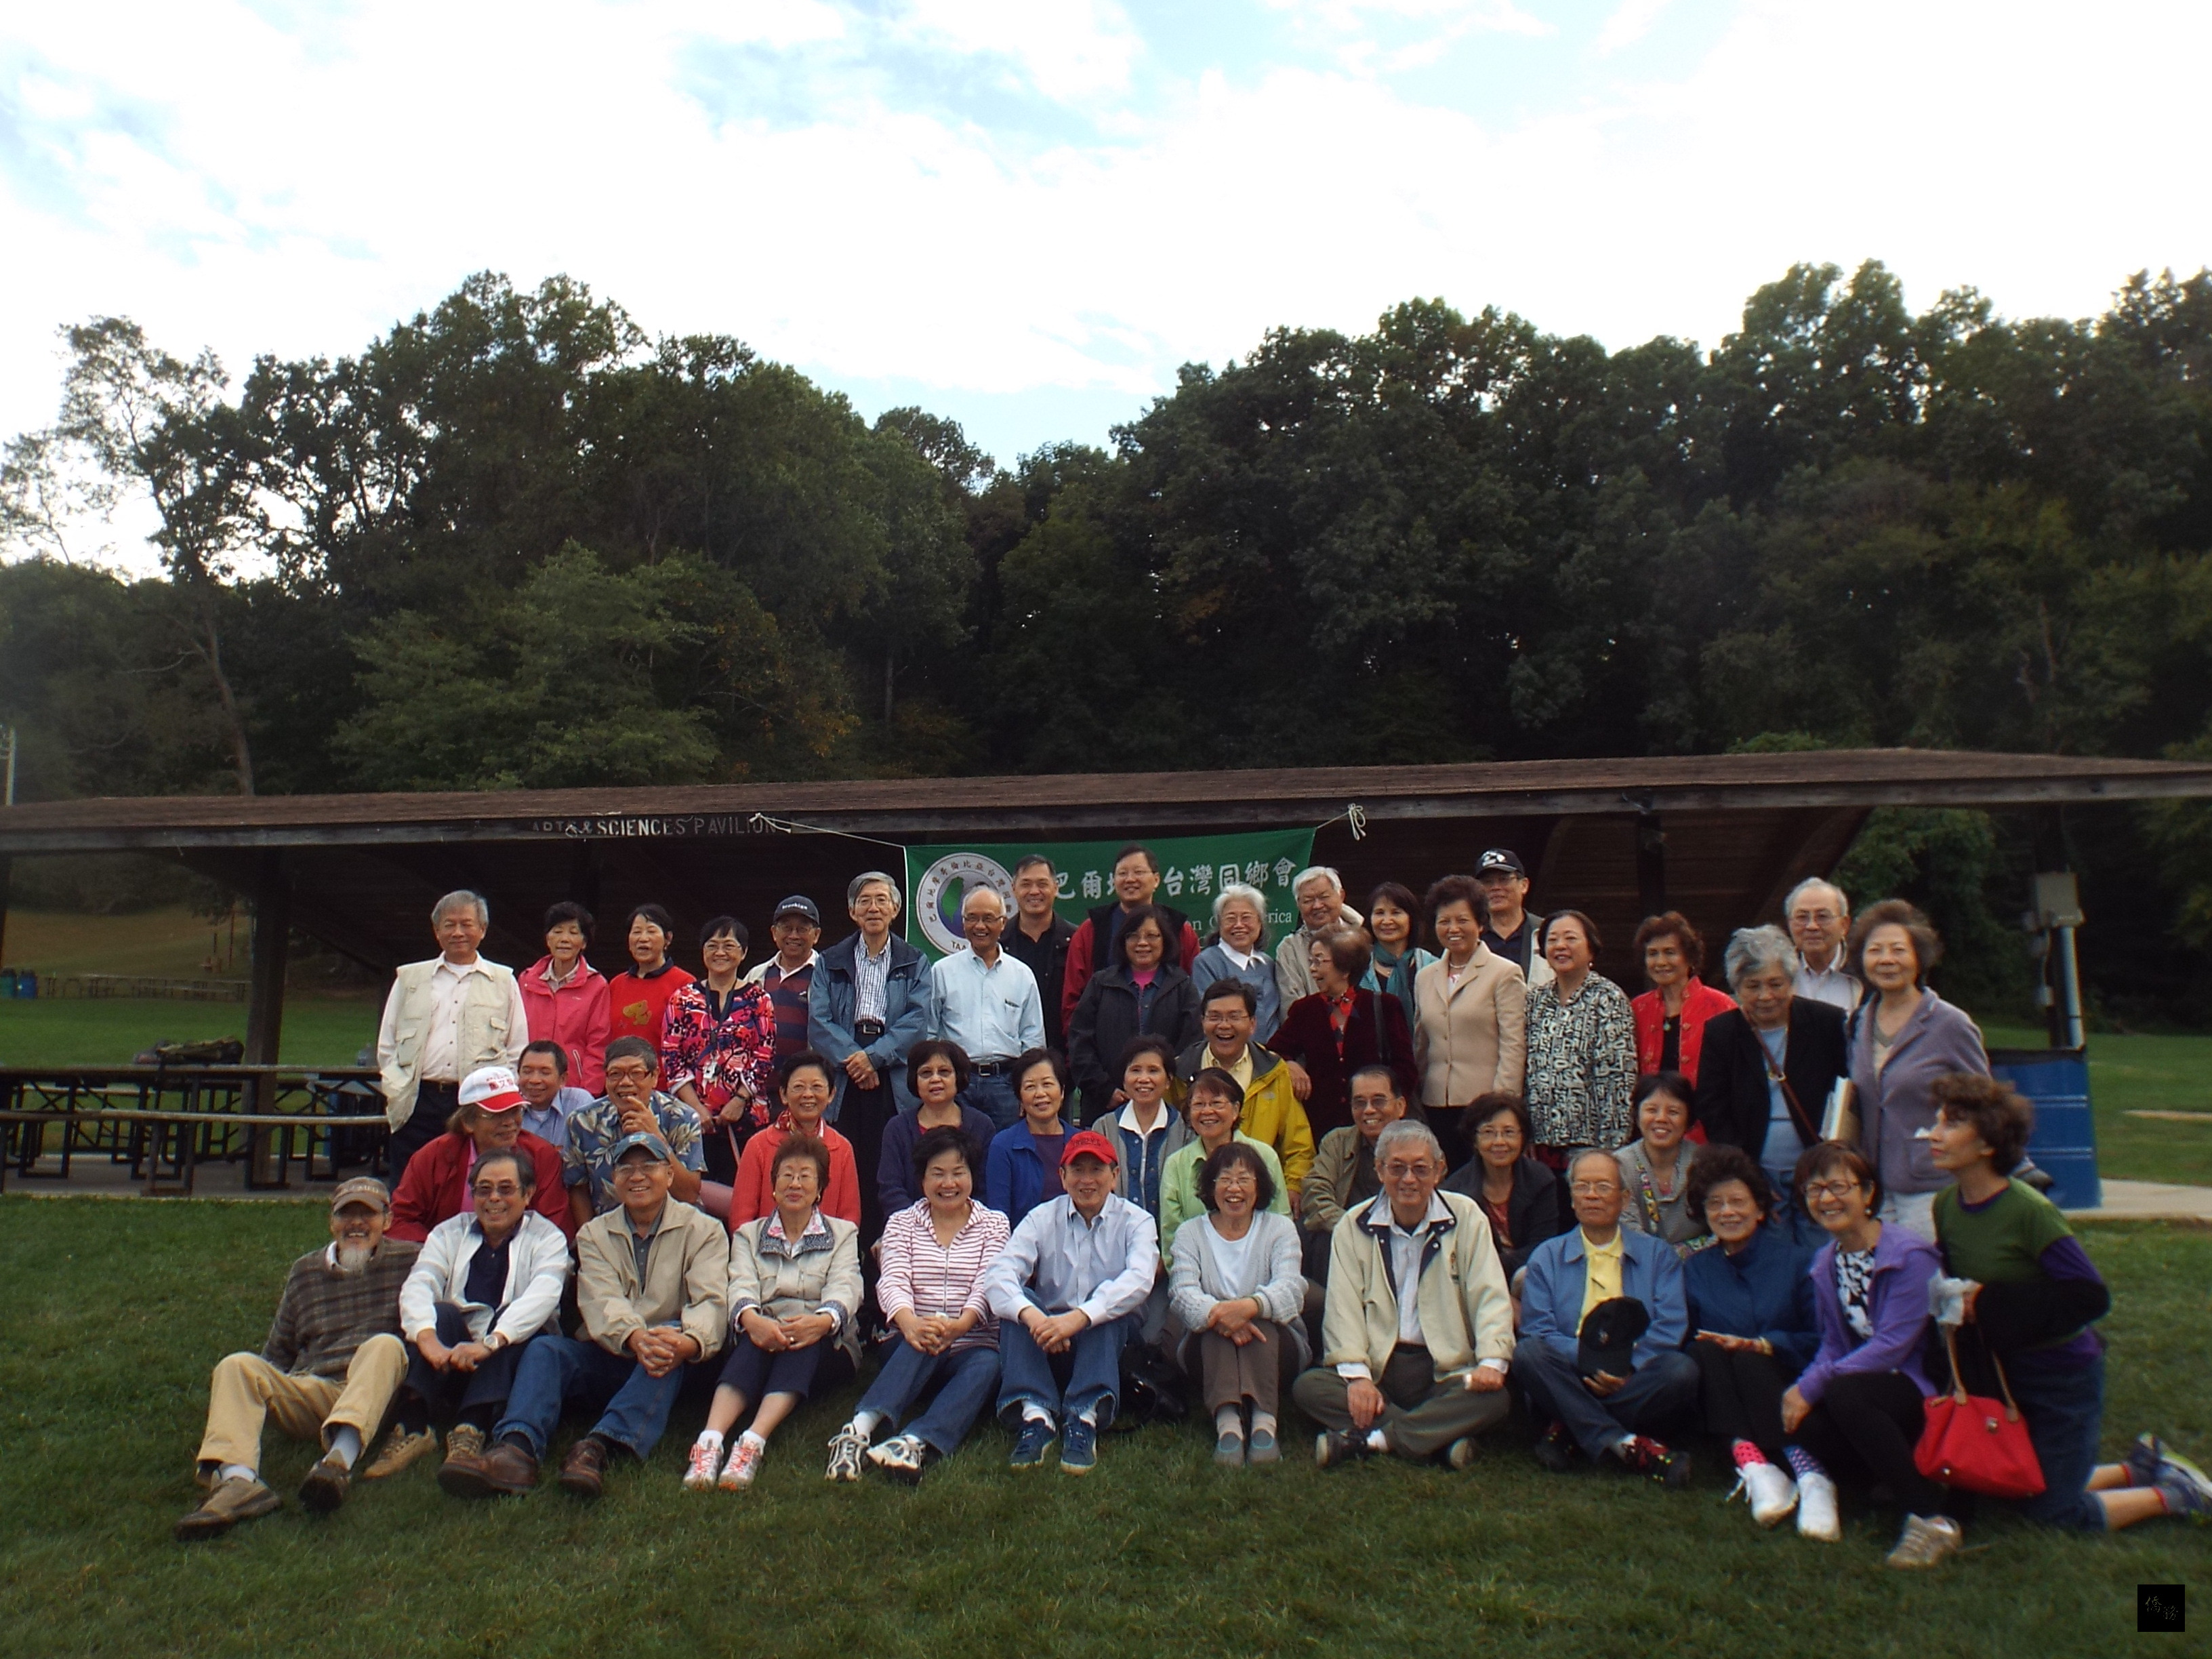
(247, 1389)
(1420, 1415)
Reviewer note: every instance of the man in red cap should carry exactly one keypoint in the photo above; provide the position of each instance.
(1068, 1288)
(488, 1119)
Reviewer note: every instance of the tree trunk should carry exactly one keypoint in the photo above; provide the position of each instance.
(209, 643)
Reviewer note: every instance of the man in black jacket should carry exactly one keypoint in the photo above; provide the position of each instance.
(1039, 939)
(1768, 1065)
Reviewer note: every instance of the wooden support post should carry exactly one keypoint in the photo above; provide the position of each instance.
(1650, 864)
(6, 868)
(264, 1009)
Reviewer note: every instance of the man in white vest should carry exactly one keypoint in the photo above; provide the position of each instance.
(444, 1018)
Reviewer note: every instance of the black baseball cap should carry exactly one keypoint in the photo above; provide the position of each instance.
(796, 905)
(1498, 858)
(1608, 1337)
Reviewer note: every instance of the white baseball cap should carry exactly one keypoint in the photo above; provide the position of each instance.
(493, 1088)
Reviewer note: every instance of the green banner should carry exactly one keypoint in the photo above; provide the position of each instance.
(1192, 871)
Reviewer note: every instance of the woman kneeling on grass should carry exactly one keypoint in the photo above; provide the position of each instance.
(1238, 1290)
(2032, 1296)
(934, 1253)
(794, 1301)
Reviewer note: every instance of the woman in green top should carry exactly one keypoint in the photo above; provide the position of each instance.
(2032, 1297)
(1215, 1102)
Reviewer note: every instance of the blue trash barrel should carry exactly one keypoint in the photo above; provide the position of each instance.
(2057, 1084)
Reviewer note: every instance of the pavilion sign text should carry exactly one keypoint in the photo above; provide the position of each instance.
(655, 826)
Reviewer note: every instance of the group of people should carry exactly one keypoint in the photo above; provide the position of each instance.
(1408, 1189)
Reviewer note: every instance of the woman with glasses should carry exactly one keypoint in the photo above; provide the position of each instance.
(1519, 1196)
(718, 1047)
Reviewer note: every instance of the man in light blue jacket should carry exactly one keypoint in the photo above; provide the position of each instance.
(1603, 1382)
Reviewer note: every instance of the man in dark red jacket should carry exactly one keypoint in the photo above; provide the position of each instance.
(487, 1120)
(1136, 878)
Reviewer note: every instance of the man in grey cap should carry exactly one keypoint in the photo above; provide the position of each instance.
(653, 1285)
(328, 1369)
(788, 975)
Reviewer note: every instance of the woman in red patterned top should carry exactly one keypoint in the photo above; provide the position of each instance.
(718, 1046)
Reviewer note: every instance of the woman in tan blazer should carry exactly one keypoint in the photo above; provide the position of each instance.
(1470, 1037)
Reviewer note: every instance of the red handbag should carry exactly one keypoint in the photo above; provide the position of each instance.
(1976, 1445)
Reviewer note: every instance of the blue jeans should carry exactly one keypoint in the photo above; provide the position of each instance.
(965, 1381)
(1085, 1381)
(558, 1372)
(1660, 1389)
(2064, 1408)
(995, 1097)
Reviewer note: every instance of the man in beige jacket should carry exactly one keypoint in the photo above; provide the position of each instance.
(444, 1018)
(652, 1283)
(1417, 1333)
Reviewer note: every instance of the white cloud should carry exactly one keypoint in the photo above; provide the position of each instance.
(304, 193)
(1629, 23)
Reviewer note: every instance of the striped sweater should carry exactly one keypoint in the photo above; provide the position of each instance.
(327, 1314)
(934, 1281)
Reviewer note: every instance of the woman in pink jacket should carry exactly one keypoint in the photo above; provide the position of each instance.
(565, 998)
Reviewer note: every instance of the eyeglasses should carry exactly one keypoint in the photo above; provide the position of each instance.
(1406, 1172)
(502, 1189)
(1593, 1188)
(1830, 1188)
(1507, 1132)
(628, 1073)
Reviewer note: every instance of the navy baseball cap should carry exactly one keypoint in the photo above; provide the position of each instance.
(796, 905)
(1498, 858)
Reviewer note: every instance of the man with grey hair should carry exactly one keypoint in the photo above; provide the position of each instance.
(444, 1018)
(988, 1003)
(1768, 1065)
(1820, 919)
(1417, 1336)
(872, 1000)
(1319, 891)
(1603, 1316)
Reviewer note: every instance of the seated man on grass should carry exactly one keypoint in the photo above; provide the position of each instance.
(329, 1368)
(1068, 1290)
(1418, 1332)
(1602, 1319)
(653, 1286)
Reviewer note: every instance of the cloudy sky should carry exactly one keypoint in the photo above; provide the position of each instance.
(1025, 213)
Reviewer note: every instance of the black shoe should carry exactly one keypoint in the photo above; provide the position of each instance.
(1556, 1449)
(1340, 1446)
(1670, 1468)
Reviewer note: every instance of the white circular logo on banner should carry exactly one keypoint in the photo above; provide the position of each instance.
(943, 888)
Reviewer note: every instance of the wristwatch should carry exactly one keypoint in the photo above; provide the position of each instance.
(496, 1341)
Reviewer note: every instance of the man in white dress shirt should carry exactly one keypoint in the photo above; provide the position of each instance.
(988, 1001)
(1819, 922)
(444, 1018)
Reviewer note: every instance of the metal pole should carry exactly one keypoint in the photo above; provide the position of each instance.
(2069, 989)
(10, 734)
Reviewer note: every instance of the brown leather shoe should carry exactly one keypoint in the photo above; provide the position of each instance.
(506, 1470)
(583, 1471)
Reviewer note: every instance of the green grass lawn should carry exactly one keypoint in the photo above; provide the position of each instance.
(117, 1311)
(171, 942)
(2137, 1073)
(319, 1030)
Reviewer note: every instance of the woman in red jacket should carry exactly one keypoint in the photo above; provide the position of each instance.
(488, 1119)
(565, 998)
(1670, 1018)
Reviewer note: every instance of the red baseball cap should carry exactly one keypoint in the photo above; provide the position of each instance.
(1089, 1142)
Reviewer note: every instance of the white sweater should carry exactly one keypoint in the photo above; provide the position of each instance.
(537, 1268)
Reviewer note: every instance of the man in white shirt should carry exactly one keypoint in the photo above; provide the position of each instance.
(444, 1018)
(988, 1001)
(1417, 1333)
(1319, 892)
(1819, 923)
(1067, 1289)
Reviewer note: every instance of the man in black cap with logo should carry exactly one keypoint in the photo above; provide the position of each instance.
(1603, 1320)
(1511, 931)
(796, 928)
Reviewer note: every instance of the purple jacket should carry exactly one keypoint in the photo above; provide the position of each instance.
(1895, 1107)
(1897, 1305)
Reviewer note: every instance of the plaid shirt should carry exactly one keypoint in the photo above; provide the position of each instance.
(721, 1058)
(325, 1314)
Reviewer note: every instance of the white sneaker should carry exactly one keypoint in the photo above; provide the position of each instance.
(1816, 1510)
(1926, 1540)
(705, 1459)
(743, 1465)
(1773, 1494)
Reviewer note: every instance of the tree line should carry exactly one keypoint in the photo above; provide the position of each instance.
(516, 541)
